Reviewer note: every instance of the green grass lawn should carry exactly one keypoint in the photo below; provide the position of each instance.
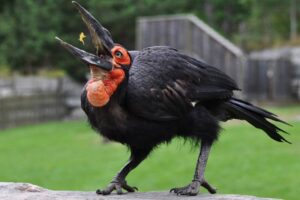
(70, 156)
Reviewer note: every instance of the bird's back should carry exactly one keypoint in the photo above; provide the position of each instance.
(165, 84)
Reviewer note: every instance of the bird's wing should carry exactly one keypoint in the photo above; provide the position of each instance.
(165, 84)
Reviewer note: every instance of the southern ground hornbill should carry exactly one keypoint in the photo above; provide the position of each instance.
(144, 98)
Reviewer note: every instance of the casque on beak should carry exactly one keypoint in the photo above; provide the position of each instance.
(101, 39)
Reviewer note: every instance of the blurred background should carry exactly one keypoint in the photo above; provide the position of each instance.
(45, 140)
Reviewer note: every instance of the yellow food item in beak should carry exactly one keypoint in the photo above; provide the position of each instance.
(81, 37)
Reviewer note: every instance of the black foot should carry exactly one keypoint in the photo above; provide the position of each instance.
(193, 188)
(116, 185)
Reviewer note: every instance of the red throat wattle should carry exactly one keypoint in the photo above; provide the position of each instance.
(102, 85)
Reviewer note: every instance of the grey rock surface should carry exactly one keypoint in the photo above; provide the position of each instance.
(26, 191)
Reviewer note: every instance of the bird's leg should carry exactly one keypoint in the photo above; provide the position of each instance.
(193, 187)
(119, 181)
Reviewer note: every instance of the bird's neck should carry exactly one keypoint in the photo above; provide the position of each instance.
(100, 88)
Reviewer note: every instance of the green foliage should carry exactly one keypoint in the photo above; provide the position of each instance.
(28, 28)
(27, 32)
(70, 156)
(5, 71)
(269, 23)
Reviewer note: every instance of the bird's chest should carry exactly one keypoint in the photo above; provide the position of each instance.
(109, 121)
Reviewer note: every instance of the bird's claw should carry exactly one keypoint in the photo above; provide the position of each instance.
(117, 185)
(193, 188)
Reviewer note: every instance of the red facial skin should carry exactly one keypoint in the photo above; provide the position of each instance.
(102, 86)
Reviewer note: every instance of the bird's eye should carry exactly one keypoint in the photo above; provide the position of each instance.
(118, 54)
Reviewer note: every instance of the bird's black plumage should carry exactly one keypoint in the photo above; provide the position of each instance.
(164, 94)
(164, 84)
(168, 94)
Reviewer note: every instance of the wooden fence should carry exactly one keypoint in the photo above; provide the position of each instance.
(30, 99)
(193, 37)
(34, 108)
(260, 77)
(270, 77)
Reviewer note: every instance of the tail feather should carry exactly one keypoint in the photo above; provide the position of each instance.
(256, 109)
(257, 117)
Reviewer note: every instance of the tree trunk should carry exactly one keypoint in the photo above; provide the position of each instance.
(293, 19)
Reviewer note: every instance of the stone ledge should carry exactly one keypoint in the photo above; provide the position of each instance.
(22, 191)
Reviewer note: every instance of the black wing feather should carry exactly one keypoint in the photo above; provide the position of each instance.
(174, 80)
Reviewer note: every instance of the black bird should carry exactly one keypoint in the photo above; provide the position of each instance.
(148, 97)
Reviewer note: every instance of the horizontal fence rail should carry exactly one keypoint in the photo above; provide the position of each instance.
(19, 110)
(33, 99)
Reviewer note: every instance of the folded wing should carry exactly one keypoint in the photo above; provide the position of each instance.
(165, 84)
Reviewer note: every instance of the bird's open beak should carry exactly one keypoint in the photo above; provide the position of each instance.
(100, 36)
(86, 57)
(101, 39)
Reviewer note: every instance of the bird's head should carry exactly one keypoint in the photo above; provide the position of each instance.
(108, 67)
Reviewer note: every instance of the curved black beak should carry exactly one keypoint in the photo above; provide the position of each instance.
(86, 57)
(101, 37)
